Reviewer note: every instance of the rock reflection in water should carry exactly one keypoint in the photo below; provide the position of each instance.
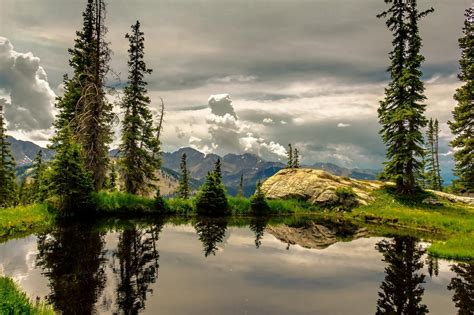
(72, 258)
(402, 290)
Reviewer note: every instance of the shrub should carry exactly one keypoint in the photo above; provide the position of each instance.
(346, 199)
(258, 202)
(211, 200)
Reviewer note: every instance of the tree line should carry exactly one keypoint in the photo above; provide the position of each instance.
(85, 120)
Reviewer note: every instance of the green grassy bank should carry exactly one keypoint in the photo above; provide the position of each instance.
(23, 220)
(450, 225)
(14, 301)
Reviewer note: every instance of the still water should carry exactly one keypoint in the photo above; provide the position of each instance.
(220, 267)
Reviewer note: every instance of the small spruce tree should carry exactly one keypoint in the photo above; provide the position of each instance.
(462, 124)
(258, 202)
(184, 181)
(211, 200)
(71, 182)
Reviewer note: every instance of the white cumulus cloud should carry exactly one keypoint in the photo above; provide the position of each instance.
(24, 90)
(229, 134)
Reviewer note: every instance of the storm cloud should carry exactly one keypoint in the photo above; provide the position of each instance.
(307, 72)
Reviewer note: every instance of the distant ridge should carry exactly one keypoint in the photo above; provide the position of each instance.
(253, 167)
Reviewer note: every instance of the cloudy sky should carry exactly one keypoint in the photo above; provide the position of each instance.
(239, 75)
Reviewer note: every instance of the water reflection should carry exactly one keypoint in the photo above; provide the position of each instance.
(135, 264)
(211, 231)
(433, 266)
(463, 287)
(72, 258)
(402, 290)
(257, 225)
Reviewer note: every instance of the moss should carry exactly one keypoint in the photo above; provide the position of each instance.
(15, 301)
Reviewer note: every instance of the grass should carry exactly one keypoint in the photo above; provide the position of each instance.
(452, 222)
(451, 226)
(24, 219)
(117, 203)
(15, 301)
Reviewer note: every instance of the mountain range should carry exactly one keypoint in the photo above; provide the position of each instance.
(251, 166)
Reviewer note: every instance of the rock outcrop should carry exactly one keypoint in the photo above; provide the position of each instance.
(315, 186)
(453, 198)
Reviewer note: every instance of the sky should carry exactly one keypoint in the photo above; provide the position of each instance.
(238, 75)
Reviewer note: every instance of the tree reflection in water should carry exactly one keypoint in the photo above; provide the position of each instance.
(433, 266)
(210, 231)
(257, 225)
(463, 287)
(402, 290)
(135, 263)
(72, 257)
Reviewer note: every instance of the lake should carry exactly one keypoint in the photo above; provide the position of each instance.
(228, 266)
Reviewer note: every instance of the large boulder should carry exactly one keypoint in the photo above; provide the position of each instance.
(315, 186)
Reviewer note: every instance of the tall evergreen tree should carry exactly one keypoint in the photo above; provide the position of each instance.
(7, 168)
(139, 165)
(401, 112)
(84, 107)
(296, 159)
(184, 181)
(94, 116)
(70, 180)
(289, 163)
(462, 125)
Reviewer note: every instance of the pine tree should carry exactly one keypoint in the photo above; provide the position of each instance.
(462, 125)
(184, 181)
(139, 165)
(38, 187)
(7, 168)
(289, 163)
(84, 107)
(94, 116)
(211, 199)
(258, 202)
(70, 180)
(80, 60)
(240, 192)
(296, 159)
(401, 113)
